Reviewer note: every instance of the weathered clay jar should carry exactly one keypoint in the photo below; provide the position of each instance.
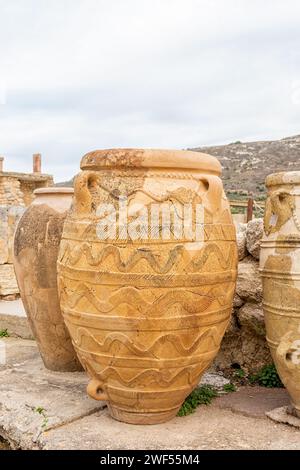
(146, 311)
(36, 245)
(280, 267)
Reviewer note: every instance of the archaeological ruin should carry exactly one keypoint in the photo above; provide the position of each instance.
(16, 193)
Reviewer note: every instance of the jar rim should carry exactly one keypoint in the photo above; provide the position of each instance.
(53, 190)
(282, 178)
(178, 160)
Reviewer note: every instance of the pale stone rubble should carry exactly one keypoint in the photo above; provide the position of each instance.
(241, 243)
(254, 233)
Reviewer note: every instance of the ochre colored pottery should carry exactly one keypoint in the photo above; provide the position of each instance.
(36, 246)
(147, 306)
(280, 267)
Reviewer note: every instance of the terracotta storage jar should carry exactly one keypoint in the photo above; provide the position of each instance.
(147, 303)
(36, 245)
(280, 268)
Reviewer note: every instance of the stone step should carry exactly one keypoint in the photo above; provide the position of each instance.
(46, 410)
(13, 319)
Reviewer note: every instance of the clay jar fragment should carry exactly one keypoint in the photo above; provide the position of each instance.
(36, 246)
(280, 268)
(146, 303)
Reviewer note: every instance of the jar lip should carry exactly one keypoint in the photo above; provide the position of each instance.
(151, 158)
(54, 190)
(282, 178)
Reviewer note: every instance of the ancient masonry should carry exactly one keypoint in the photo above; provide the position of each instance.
(16, 193)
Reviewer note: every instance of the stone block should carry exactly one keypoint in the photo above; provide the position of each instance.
(249, 285)
(254, 233)
(8, 282)
(14, 215)
(9, 218)
(251, 316)
(3, 234)
(13, 319)
(281, 415)
(241, 243)
(27, 387)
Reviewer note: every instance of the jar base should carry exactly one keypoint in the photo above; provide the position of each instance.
(142, 418)
(293, 410)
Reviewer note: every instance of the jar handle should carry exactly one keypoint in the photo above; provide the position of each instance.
(288, 351)
(82, 194)
(279, 209)
(95, 390)
(214, 191)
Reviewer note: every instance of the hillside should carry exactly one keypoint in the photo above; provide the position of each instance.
(246, 164)
(65, 184)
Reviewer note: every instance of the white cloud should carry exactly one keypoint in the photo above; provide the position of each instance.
(85, 74)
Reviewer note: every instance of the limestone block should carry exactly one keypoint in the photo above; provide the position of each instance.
(214, 379)
(251, 316)
(244, 347)
(241, 243)
(282, 415)
(241, 227)
(237, 301)
(3, 234)
(254, 233)
(16, 326)
(249, 285)
(8, 282)
(14, 215)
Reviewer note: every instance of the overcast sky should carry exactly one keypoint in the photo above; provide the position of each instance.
(76, 75)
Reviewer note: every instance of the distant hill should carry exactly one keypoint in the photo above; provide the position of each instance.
(67, 184)
(246, 164)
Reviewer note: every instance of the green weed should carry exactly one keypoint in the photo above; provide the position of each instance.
(200, 396)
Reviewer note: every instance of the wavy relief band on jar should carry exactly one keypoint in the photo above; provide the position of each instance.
(280, 268)
(36, 245)
(147, 313)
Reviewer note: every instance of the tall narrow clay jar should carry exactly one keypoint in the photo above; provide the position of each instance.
(36, 246)
(147, 271)
(280, 267)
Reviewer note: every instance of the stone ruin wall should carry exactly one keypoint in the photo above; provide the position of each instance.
(10, 191)
(244, 343)
(16, 193)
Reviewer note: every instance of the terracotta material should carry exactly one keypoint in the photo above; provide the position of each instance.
(37, 163)
(147, 314)
(36, 245)
(280, 266)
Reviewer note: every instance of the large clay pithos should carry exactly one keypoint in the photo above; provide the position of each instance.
(147, 305)
(280, 267)
(36, 245)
